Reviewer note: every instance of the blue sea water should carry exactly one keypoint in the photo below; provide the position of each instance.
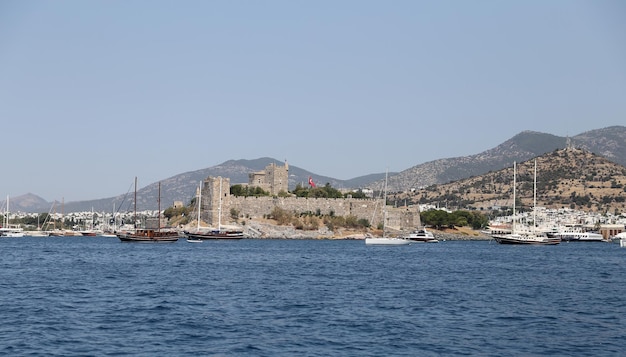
(98, 297)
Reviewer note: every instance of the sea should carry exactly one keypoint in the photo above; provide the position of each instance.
(96, 296)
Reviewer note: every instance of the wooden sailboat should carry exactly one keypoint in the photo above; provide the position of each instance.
(149, 235)
(211, 233)
(385, 240)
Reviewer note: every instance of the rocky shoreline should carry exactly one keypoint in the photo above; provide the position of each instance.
(441, 236)
(270, 231)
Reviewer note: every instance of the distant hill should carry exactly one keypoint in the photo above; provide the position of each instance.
(566, 178)
(182, 187)
(27, 203)
(608, 142)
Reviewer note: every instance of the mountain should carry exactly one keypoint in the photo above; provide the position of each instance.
(27, 203)
(182, 187)
(566, 178)
(607, 142)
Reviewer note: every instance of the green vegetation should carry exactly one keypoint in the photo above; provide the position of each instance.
(179, 214)
(317, 192)
(441, 219)
(312, 221)
(247, 191)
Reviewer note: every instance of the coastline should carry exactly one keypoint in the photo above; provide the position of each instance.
(266, 230)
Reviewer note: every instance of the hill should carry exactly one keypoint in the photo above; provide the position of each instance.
(609, 143)
(182, 187)
(570, 178)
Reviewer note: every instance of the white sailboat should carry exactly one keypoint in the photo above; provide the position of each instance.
(385, 240)
(10, 230)
(529, 237)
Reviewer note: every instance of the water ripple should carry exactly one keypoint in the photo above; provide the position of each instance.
(69, 296)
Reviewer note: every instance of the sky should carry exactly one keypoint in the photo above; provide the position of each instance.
(94, 93)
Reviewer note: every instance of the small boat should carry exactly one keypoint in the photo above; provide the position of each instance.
(194, 240)
(421, 235)
(11, 232)
(386, 241)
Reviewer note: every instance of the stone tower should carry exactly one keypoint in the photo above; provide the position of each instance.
(215, 205)
(273, 178)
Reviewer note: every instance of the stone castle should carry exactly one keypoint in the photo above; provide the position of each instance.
(217, 204)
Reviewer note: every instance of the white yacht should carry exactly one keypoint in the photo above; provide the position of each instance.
(11, 232)
(579, 236)
(421, 235)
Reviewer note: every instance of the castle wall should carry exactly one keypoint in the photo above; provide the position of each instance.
(402, 218)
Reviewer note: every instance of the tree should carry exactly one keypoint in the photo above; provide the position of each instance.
(436, 218)
(246, 191)
(358, 194)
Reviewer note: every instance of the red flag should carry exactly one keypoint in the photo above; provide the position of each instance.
(311, 182)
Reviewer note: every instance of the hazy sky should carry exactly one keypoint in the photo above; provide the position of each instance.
(94, 93)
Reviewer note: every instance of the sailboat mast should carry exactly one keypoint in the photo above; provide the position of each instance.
(135, 214)
(159, 201)
(385, 203)
(535, 199)
(219, 208)
(199, 205)
(114, 219)
(514, 184)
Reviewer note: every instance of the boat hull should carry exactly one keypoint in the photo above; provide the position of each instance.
(522, 240)
(387, 241)
(11, 232)
(149, 236)
(214, 235)
(580, 237)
